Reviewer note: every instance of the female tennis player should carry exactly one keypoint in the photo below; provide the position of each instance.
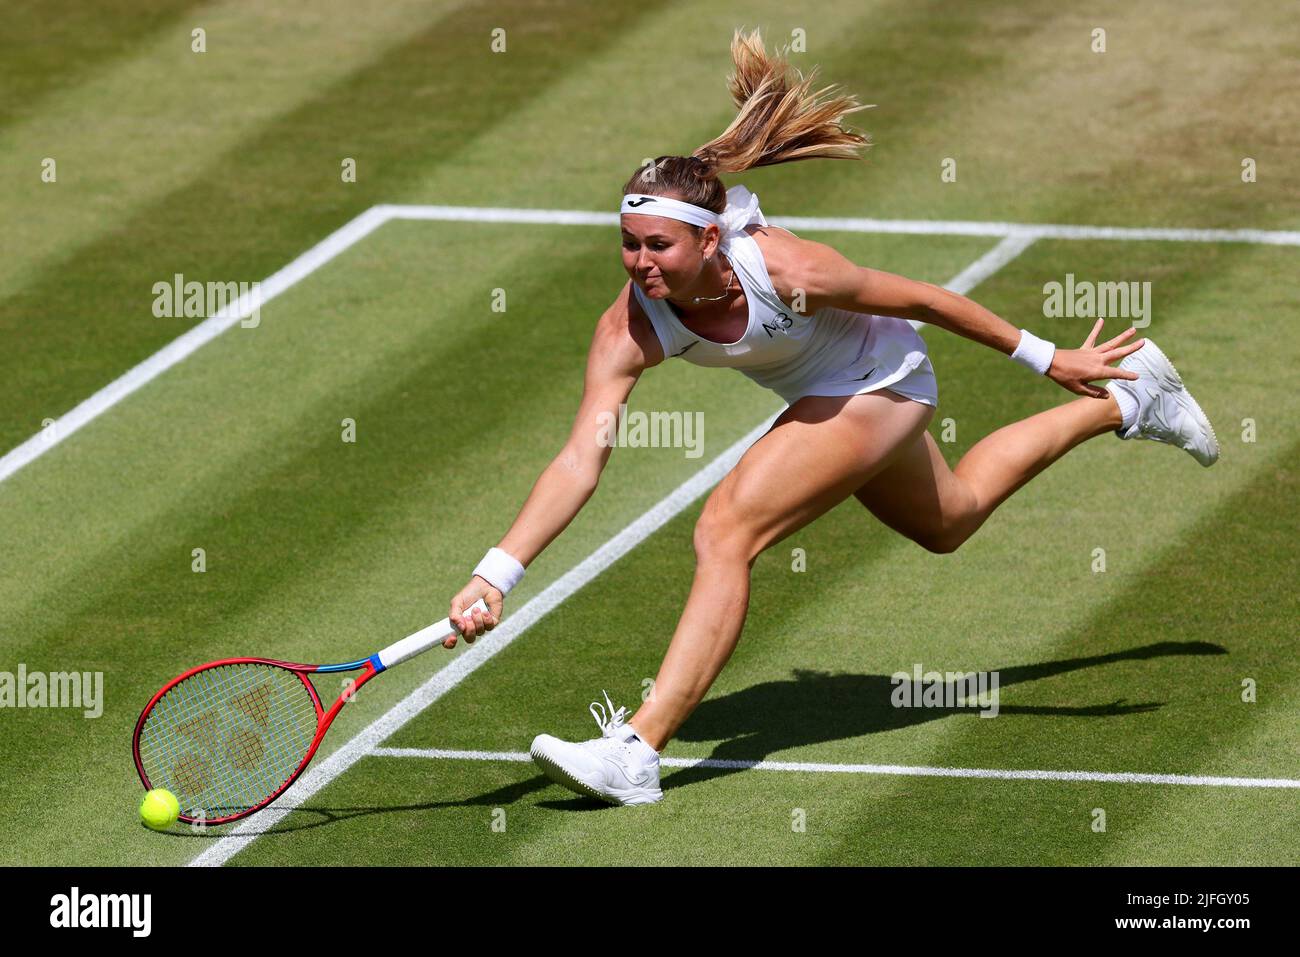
(713, 284)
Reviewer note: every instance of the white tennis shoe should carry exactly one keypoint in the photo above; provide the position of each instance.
(1166, 411)
(617, 767)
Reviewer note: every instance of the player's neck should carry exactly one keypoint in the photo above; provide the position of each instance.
(716, 279)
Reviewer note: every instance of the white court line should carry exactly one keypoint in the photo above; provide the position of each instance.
(480, 653)
(364, 224)
(901, 770)
(993, 260)
(916, 227)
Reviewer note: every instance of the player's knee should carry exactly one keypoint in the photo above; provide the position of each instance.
(944, 542)
(721, 536)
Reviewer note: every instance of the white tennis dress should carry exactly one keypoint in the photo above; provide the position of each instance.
(831, 352)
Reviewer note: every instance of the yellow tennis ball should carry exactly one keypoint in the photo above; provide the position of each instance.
(159, 809)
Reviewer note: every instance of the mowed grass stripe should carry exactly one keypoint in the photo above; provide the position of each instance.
(1043, 129)
(56, 44)
(86, 315)
(114, 161)
(1231, 830)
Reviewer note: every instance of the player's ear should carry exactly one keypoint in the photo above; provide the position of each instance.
(711, 238)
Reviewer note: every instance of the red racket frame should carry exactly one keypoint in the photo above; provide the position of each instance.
(323, 718)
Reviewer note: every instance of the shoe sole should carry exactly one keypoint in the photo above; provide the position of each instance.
(1167, 372)
(557, 773)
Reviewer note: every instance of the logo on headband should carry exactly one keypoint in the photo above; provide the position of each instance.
(640, 202)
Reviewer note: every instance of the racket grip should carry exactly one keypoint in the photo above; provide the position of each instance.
(421, 641)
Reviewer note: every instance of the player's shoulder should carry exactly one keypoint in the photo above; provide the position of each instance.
(626, 328)
(792, 262)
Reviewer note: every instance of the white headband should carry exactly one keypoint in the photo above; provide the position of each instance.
(644, 205)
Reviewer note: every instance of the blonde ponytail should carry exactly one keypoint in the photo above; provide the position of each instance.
(780, 120)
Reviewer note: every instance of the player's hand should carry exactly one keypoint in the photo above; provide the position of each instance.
(477, 623)
(1074, 369)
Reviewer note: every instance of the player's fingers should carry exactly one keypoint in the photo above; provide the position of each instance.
(475, 628)
(1094, 391)
(460, 622)
(1092, 336)
(1119, 338)
(1127, 350)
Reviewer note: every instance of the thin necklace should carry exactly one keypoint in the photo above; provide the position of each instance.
(725, 289)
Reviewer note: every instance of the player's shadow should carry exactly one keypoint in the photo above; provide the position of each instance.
(815, 707)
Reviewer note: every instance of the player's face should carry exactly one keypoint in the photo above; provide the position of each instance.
(662, 256)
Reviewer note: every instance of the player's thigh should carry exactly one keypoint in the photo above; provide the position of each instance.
(817, 453)
(918, 495)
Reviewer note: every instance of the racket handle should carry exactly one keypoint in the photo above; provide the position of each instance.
(421, 641)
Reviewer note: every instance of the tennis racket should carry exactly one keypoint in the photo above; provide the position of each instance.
(229, 737)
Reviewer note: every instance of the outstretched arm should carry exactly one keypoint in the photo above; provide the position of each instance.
(614, 363)
(832, 280)
(621, 349)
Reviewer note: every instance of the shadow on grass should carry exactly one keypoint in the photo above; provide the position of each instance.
(815, 707)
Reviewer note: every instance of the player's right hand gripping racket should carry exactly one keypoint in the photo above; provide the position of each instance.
(229, 737)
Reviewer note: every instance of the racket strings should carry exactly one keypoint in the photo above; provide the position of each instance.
(227, 738)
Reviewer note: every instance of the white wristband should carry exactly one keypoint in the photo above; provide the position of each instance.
(1034, 352)
(500, 569)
